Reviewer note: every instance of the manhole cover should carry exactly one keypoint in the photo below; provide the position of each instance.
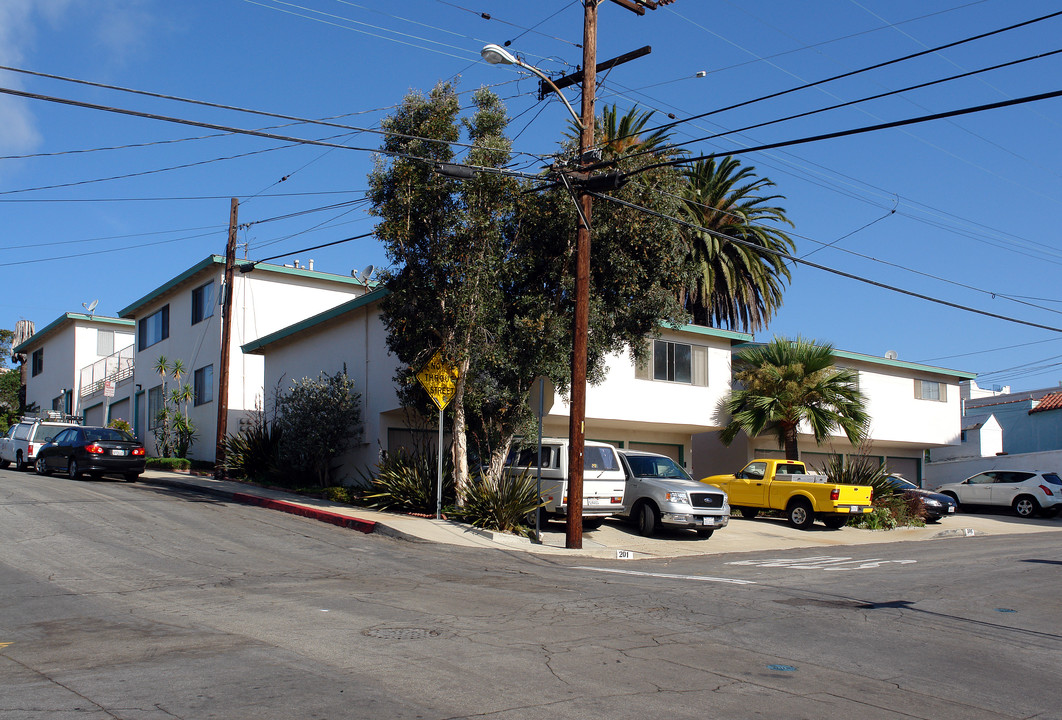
(401, 633)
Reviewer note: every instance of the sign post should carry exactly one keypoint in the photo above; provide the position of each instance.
(439, 379)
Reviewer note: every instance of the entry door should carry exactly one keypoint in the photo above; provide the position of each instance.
(978, 489)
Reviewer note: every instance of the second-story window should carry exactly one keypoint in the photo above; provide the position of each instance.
(38, 362)
(676, 362)
(104, 342)
(154, 328)
(202, 302)
(926, 390)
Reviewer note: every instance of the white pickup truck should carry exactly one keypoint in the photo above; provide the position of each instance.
(20, 444)
(660, 493)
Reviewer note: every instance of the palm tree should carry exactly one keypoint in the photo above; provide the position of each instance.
(735, 285)
(787, 383)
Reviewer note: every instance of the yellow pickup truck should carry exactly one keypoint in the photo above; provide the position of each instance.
(786, 485)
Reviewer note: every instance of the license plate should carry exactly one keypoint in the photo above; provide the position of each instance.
(594, 501)
(951, 508)
(119, 452)
(855, 509)
(710, 520)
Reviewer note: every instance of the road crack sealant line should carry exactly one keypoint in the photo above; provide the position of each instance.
(365, 526)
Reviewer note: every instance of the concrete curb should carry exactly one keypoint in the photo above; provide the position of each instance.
(365, 526)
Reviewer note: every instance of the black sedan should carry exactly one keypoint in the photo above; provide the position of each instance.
(93, 450)
(935, 504)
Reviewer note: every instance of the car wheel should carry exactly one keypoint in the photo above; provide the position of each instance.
(705, 532)
(647, 519)
(20, 463)
(42, 468)
(800, 514)
(749, 513)
(132, 477)
(1026, 506)
(592, 523)
(835, 521)
(71, 470)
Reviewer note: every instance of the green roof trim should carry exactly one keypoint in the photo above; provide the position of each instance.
(65, 319)
(257, 347)
(876, 360)
(714, 332)
(213, 260)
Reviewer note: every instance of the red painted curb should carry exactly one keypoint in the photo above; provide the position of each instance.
(365, 526)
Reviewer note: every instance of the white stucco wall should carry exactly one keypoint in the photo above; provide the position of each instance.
(264, 300)
(897, 416)
(358, 340)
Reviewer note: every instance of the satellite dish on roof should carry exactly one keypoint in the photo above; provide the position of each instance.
(891, 355)
(367, 273)
(90, 307)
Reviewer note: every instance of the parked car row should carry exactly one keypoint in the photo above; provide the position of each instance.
(59, 444)
(1028, 492)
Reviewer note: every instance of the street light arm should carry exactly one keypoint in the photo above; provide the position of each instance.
(555, 89)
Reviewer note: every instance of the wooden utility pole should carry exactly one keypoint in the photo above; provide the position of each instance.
(573, 535)
(226, 337)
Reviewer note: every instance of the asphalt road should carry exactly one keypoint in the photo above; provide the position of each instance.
(139, 602)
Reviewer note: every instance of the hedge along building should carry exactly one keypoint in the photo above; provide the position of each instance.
(181, 319)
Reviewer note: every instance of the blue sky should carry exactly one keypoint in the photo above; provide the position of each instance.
(962, 210)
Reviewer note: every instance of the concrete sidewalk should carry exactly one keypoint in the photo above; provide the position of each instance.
(609, 541)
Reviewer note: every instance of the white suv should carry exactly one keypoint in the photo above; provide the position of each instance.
(22, 441)
(1026, 491)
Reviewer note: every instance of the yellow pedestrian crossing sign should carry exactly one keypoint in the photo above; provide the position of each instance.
(439, 379)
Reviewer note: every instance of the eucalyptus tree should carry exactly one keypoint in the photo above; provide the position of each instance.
(482, 268)
(789, 383)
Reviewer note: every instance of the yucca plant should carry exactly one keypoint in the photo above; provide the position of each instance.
(254, 451)
(503, 504)
(405, 480)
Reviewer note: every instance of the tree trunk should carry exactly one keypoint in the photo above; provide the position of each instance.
(460, 441)
(791, 451)
(497, 459)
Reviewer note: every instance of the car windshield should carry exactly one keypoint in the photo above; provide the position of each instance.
(902, 483)
(656, 467)
(106, 434)
(1053, 478)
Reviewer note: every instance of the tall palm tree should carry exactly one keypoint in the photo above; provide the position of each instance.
(736, 285)
(789, 382)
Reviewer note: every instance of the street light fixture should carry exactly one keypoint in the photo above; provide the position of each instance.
(497, 55)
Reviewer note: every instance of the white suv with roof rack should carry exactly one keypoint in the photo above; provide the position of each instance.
(20, 444)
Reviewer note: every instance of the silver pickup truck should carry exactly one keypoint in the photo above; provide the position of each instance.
(659, 493)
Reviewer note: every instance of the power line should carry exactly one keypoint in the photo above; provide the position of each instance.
(859, 71)
(855, 131)
(817, 266)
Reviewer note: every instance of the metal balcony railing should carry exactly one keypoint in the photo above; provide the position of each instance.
(115, 367)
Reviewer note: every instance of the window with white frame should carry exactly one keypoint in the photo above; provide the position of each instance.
(203, 385)
(928, 390)
(202, 302)
(154, 328)
(675, 362)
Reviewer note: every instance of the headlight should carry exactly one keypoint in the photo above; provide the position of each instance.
(931, 501)
(678, 497)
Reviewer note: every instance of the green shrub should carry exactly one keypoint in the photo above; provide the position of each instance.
(891, 510)
(336, 493)
(156, 463)
(502, 505)
(407, 481)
